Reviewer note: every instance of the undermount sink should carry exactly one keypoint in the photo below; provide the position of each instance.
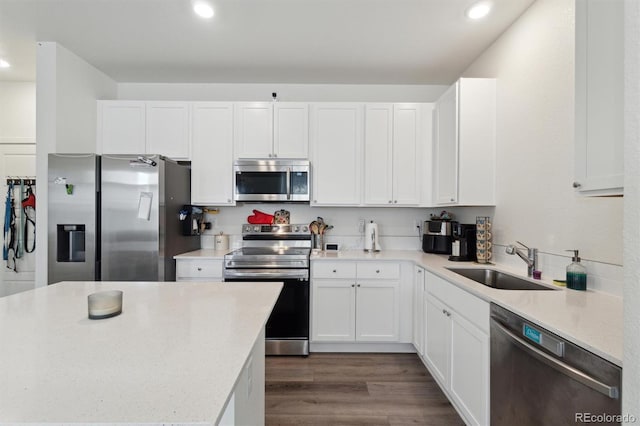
(497, 279)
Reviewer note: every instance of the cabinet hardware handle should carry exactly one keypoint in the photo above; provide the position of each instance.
(444, 312)
(334, 271)
(199, 269)
(577, 184)
(419, 271)
(275, 155)
(358, 285)
(353, 285)
(389, 201)
(395, 201)
(452, 199)
(315, 201)
(228, 200)
(377, 271)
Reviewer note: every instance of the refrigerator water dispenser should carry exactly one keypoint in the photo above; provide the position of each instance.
(71, 243)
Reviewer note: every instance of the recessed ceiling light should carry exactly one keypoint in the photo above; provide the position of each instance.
(4, 64)
(203, 9)
(479, 10)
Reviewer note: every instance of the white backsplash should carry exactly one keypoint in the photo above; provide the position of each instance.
(398, 231)
(603, 277)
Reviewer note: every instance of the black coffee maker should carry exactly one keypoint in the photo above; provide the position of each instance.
(465, 236)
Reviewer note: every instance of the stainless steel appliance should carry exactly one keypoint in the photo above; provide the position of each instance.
(278, 253)
(272, 180)
(465, 235)
(115, 217)
(437, 236)
(538, 378)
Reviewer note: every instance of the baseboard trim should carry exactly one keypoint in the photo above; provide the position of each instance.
(362, 347)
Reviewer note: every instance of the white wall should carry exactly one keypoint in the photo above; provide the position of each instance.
(286, 92)
(533, 62)
(631, 371)
(17, 112)
(66, 91)
(17, 158)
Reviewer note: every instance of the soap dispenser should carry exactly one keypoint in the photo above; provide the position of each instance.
(576, 273)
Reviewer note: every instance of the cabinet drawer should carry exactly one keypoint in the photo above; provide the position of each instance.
(474, 309)
(196, 268)
(344, 270)
(378, 270)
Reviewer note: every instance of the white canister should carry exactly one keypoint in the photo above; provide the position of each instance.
(222, 241)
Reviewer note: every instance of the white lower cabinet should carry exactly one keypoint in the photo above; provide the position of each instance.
(246, 404)
(199, 269)
(356, 302)
(418, 310)
(457, 347)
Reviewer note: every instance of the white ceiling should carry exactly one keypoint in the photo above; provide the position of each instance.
(257, 41)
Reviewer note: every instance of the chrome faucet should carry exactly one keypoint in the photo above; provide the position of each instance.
(531, 259)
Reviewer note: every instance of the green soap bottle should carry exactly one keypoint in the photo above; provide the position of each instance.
(576, 273)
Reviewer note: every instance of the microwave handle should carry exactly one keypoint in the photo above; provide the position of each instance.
(288, 183)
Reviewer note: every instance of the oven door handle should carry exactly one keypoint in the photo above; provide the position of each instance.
(610, 391)
(272, 274)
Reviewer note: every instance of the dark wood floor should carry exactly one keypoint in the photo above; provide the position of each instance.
(354, 389)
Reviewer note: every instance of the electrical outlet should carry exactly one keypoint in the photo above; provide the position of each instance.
(417, 225)
(361, 226)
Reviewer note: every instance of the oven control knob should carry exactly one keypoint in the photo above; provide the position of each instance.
(305, 229)
(296, 229)
(256, 229)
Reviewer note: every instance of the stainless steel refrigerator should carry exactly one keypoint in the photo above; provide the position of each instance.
(116, 217)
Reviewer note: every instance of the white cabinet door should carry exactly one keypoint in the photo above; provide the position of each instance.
(212, 161)
(599, 97)
(336, 143)
(418, 310)
(469, 369)
(291, 130)
(437, 340)
(168, 129)
(121, 127)
(333, 310)
(378, 154)
(254, 130)
(446, 147)
(377, 311)
(464, 144)
(407, 158)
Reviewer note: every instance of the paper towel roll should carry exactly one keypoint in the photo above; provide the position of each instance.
(371, 237)
(222, 242)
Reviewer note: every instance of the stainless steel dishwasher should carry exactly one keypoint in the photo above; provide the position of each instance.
(538, 378)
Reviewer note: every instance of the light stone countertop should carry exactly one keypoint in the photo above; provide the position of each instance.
(589, 319)
(204, 254)
(172, 356)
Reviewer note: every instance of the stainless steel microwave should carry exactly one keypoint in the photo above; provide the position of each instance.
(272, 180)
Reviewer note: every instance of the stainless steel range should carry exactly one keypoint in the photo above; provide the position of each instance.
(278, 253)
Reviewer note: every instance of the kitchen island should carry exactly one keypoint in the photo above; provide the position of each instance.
(174, 355)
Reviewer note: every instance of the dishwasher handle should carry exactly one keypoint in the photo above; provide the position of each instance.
(610, 391)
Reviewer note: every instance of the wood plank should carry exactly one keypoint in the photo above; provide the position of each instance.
(354, 389)
(326, 420)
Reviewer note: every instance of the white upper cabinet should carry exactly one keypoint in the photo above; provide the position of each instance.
(394, 143)
(212, 147)
(599, 97)
(336, 153)
(408, 142)
(133, 127)
(378, 154)
(464, 144)
(254, 130)
(271, 130)
(168, 129)
(121, 127)
(291, 130)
